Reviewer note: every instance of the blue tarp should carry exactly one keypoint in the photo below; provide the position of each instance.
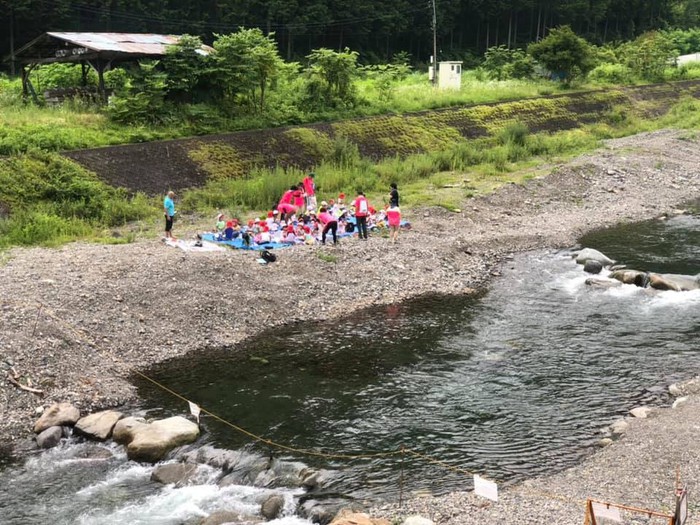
(240, 245)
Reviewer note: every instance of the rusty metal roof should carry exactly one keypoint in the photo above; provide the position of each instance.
(76, 47)
(136, 43)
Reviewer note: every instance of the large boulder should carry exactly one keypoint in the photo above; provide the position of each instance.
(289, 474)
(99, 425)
(596, 282)
(675, 282)
(593, 267)
(150, 442)
(272, 507)
(173, 473)
(56, 416)
(220, 517)
(589, 254)
(635, 277)
(50, 437)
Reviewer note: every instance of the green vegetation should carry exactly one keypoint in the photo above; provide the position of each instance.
(220, 161)
(47, 199)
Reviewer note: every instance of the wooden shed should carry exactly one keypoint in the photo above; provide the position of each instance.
(97, 50)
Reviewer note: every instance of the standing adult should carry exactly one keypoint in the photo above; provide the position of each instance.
(330, 223)
(169, 210)
(361, 213)
(394, 196)
(298, 199)
(310, 190)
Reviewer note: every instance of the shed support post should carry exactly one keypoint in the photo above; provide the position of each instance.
(84, 70)
(101, 81)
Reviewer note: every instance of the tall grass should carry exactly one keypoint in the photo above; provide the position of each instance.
(49, 199)
(490, 159)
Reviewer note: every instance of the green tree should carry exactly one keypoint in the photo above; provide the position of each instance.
(247, 64)
(649, 54)
(185, 64)
(564, 54)
(330, 77)
(495, 60)
(143, 100)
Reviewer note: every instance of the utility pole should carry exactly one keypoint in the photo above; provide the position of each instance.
(435, 69)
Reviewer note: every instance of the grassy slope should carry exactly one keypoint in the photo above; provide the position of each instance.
(52, 200)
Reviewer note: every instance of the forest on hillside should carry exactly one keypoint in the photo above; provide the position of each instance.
(377, 29)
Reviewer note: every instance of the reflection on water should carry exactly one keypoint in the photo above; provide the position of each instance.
(511, 384)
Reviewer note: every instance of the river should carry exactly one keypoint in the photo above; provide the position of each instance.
(514, 382)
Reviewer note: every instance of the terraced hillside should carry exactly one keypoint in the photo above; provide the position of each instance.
(157, 166)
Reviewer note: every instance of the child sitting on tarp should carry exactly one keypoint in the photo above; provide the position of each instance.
(220, 223)
(289, 237)
(231, 231)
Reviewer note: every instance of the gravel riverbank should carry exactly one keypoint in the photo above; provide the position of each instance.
(76, 320)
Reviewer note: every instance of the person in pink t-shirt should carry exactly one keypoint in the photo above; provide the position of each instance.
(298, 200)
(310, 191)
(393, 216)
(285, 206)
(329, 223)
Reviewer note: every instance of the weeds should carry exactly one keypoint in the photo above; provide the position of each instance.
(327, 257)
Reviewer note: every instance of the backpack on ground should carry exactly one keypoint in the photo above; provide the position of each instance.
(268, 256)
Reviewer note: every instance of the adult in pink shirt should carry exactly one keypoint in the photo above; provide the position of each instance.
(361, 206)
(285, 206)
(298, 197)
(310, 190)
(329, 223)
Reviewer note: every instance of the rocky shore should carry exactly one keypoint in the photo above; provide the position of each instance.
(77, 320)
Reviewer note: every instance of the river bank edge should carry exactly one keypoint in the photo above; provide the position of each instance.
(80, 318)
(641, 468)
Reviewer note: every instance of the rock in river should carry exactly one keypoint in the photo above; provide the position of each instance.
(150, 442)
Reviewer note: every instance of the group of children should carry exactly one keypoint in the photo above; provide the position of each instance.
(296, 219)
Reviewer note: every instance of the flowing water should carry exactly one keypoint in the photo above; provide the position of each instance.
(513, 383)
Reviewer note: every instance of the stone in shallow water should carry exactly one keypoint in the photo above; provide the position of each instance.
(150, 442)
(593, 267)
(272, 507)
(641, 412)
(99, 425)
(50, 437)
(171, 473)
(619, 427)
(605, 442)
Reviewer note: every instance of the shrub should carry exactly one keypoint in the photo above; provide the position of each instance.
(514, 134)
(344, 153)
(648, 55)
(565, 54)
(502, 63)
(611, 74)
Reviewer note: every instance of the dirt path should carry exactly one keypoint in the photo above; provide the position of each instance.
(105, 309)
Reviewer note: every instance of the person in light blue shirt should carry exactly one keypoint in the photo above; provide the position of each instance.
(169, 209)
